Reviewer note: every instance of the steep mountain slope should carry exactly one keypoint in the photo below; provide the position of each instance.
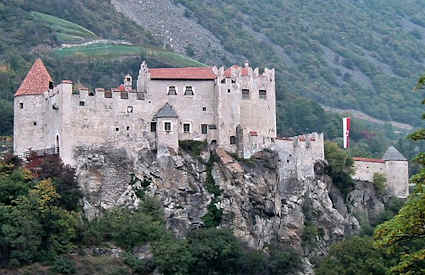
(30, 29)
(363, 55)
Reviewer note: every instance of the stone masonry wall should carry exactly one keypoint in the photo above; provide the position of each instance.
(364, 170)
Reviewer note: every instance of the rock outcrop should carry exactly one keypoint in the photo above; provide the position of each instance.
(255, 201)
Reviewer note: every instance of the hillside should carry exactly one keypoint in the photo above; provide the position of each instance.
(105, 46)
(363, 55)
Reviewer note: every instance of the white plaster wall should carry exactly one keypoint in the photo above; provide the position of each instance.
(364, 171)
(228, 112)
(167, 139)
(26, 135)
(259, 114)
(188, 108)
(397, 174)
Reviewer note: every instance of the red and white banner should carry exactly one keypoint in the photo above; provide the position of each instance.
(346, 126)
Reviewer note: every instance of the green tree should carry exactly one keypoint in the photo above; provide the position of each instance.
(340, 167)
(356, 256)
(404, 235)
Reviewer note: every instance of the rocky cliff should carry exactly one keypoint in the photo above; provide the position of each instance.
(252, 197)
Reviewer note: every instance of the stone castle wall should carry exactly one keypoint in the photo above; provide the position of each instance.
(364, 170)
(395, 172)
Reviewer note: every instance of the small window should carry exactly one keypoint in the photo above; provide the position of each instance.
(262, 94)
(228, 91)
(140, 96)
(223, 81)
(91, 93)
(129, 109)
(204, 129)
(21, 105)
(51, 86)
(245, 94)
(188, 90)
(232, 140)
(117, 129)
(172, 90)
(186, 128)
(167, 126)
(82, 103)
(128, 79)
(34, 123)
(204, 109)
(233, 81)
(124, 95)
(108, 94)
(128, 128)
(153, 126)
(212, 127)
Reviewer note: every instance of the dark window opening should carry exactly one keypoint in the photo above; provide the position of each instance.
(82, 103)
(186, 128)
(245, 94)
(128, 79)
(140, 96)
(117, 129)
(34, 123)
(213, 142)
(91, 93)
(124, 95)
(223, 81)
(21, 105)
(262, 94)
(228, 91)
(108, 94)
(51, 85)
(188, 90)
(212, 127)
(167, 126)
(153, 126)
(204, 129)
(128, 128)
(204, 109)
(172, 90)
(233, 81)
(232, 140)
(129, 109)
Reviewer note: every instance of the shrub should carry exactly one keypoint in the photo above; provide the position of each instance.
(379, 182)
(193, 147)
(64, 265)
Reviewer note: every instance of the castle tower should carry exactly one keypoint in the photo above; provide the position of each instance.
(128, 83)
(29, 131)
(396, 172)
(167, 129)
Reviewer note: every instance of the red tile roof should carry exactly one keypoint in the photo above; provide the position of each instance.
(188, 73)
(228, 72)
(36, 82)
(369, 160)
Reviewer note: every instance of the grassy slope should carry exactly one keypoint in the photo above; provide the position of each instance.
(364, 55)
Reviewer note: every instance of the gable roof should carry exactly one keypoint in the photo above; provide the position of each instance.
(166, 111)
(393, 154)
(188, 73)
(36, 81)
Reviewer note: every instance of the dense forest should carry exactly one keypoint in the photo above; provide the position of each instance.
(363, 55)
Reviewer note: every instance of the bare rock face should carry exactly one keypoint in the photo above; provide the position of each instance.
(258, 204)
(173, 25)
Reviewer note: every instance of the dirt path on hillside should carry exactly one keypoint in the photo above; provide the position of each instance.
(363, 116)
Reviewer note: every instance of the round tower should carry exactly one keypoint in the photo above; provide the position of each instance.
(29, 126)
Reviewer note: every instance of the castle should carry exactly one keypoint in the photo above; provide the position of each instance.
(234, 108)
(393, 166)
